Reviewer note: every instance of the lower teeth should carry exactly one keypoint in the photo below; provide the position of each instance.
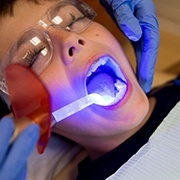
(118, 85)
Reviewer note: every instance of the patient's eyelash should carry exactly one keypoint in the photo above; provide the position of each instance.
(32, 56)
(74, 19)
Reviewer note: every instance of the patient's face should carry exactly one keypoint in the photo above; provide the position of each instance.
(85, 62)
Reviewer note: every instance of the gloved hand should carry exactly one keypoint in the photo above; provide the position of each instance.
(13, 157)
(137, 19)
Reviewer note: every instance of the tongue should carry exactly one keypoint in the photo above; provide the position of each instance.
(102, 84)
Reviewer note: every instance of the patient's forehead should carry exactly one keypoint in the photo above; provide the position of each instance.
(26, 14)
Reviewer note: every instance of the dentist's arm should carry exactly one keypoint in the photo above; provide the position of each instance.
(137, 19)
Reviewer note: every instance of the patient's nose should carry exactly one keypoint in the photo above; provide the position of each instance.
(72, 48)
(69, 44)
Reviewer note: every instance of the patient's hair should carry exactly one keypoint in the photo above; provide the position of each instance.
(7, 6)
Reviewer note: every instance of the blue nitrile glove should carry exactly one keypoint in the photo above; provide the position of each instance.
(137, 19)
(13, 157)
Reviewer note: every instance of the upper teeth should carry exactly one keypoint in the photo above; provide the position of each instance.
(109, 61)
(96, 64)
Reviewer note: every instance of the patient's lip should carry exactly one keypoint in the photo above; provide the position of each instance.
(120, 84)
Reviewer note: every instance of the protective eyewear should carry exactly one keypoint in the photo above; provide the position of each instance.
(34, 47)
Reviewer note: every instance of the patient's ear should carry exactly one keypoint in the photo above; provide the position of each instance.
(4, 110)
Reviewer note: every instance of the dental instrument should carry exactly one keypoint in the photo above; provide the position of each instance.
(78, 105)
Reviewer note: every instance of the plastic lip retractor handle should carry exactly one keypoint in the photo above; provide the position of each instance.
(80, 104)
(30, 102)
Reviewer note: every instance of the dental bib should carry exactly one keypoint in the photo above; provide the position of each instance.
(159, 158)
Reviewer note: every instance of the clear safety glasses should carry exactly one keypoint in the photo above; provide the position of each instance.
(34, 48)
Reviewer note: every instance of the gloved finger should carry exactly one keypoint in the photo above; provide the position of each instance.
(23, 173)
(149, 44)
(21, 149)
(5, 175)
(148, 59)
(124, 14)
(6, 131)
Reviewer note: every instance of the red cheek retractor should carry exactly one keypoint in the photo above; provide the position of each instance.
(29, 98)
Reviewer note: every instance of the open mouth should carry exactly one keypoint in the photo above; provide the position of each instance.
(105, 77)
